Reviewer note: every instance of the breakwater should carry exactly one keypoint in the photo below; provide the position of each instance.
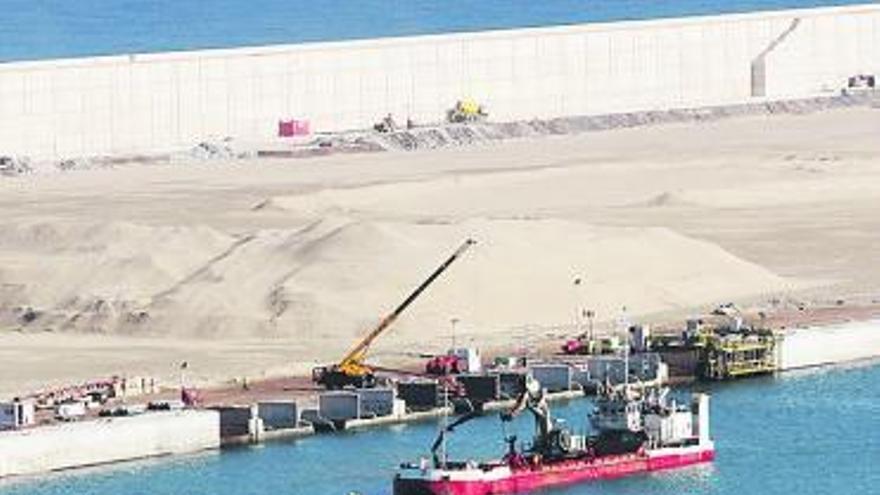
(37, 450)
(166, 101)
(107, 440)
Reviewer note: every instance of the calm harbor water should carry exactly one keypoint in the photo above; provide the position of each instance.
(806, 433)
(42, 29)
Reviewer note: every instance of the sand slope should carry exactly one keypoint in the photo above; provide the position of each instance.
(335, 276)
(271, 266)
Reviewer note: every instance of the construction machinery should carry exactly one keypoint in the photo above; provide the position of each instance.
(386, 125)
(738, 356)
(594, 346)
(352, 370)
(732, 348)
(466, 111)
(722, 346)
(456, 360)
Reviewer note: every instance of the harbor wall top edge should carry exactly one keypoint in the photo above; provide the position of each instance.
(151, 418)
(869, 324)
(497, 34)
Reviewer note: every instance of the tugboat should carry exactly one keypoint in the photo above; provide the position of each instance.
(637, 430)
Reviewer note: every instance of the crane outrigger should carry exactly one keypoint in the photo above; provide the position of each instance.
(352, 369)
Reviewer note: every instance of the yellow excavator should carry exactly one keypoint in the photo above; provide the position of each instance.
(352, 369)
(466, 111)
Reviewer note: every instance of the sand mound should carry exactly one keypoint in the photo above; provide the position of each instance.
(90, 276)
(520, 273)
(764, 195)
(458, 195)
(340, 241)
(786, 193)
(334, 278)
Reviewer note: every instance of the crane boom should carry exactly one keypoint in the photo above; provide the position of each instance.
(351, 369)
(361, 348)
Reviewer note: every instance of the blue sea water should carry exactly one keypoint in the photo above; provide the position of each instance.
(813, 433)
(42, 29)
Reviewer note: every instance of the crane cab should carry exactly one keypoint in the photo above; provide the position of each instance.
(335, 377)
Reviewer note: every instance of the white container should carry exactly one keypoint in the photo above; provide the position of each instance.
(469, 360)
(16, 414)
(399, 408)
(71, 411)
(647, 367)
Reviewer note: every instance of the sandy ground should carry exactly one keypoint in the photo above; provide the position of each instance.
(266, 267)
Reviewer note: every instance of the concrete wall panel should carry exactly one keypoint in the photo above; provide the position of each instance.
(808, 347)
(107, 440)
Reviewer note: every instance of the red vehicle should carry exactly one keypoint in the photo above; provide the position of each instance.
(443, 365)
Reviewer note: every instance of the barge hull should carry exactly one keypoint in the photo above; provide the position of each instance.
(564, 473)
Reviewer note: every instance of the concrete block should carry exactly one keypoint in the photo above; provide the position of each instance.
(480, 388)
(339, 406)
(376, 402)
(256, 429)
(553, 377)
(102, 441)
(681, 362)
(511, 384)
(278, 414)
(234, 420)
(310, 415)
(644, 366)
(419, 395)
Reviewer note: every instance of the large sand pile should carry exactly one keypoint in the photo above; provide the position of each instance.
(335, 277)
(251, 267)
(520, 272)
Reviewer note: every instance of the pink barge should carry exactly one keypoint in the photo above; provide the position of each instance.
(637, 431)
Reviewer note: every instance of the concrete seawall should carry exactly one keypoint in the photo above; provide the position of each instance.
(161, 102)
(836, 344)
(88, 443)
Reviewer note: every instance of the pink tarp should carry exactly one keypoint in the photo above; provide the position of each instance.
(291, 128)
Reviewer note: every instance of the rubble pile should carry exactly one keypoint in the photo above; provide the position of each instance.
(11, 166)
(440, 136)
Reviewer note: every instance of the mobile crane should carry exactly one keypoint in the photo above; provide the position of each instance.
(352, 369)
